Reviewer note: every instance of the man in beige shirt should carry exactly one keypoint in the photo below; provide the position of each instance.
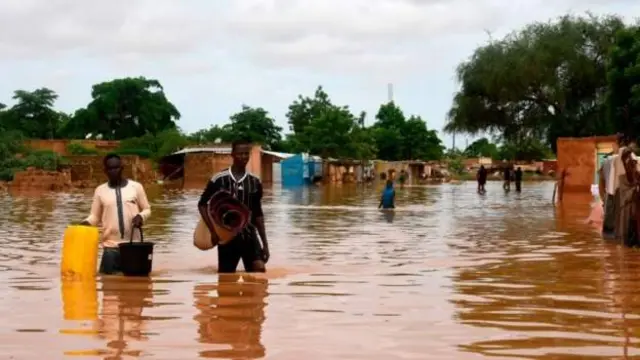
(120, 205)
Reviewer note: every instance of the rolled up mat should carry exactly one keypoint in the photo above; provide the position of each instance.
(229, 217)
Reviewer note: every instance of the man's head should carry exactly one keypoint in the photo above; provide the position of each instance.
(241, 152)
(113, 167)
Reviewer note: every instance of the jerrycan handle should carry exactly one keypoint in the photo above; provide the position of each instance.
(141, 235)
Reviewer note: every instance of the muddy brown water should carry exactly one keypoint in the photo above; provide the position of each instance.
(449, 275)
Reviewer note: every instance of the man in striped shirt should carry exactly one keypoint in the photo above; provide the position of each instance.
(247, 188)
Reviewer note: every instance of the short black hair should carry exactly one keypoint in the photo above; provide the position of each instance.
(239, 142)
(109, 157)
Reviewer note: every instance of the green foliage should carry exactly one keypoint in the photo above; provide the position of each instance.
(456, 165)
(545, 81)
(322, 128)
(121, 109)
(398, 138)
(482, 148)
(154, 146)
(43, 159)
(79, 149)
(11, 146)
(254, 125)
(212, 135)
(623, 74)
(143, 153)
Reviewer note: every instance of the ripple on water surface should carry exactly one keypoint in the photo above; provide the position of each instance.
(449, 274)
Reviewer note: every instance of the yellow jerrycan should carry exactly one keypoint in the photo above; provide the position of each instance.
(79, 252)
(79, 299)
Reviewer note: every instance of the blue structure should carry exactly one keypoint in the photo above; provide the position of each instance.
(300, 170)
(292, 170)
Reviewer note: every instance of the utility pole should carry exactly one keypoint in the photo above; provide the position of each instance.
(390, 92)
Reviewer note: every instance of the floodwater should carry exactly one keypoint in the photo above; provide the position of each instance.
(449, 275)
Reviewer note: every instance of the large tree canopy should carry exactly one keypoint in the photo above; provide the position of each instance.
(546, 81)
(124, 108)
(623, 95)
(398, 138)
(255, 125)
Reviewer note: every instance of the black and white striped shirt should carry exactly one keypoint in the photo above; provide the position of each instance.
(247, 189)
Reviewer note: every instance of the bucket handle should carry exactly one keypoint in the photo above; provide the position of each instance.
(141, 235)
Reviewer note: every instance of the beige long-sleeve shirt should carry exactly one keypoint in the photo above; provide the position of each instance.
(104, 211)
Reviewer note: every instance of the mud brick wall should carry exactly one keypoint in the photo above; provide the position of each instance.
(578, 156)
(89, 169)
(60, 146)
(200, 167)
(267, 168)
(33, 179)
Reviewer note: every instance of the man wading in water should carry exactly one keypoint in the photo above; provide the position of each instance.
(481, 176)
(248, 189)
(120, 205)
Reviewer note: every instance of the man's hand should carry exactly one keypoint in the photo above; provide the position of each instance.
(137, 221)
(266, 254)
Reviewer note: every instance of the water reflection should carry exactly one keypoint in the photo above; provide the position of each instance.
(388, 216)
(450, 275)
(121, 321)
(230, 316)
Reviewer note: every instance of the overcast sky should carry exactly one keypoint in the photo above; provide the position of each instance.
(214, 55)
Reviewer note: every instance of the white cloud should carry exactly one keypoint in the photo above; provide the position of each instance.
(213, 55)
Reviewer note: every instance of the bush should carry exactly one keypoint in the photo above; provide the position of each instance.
(143, 153)
(39, 159)
(456, 165)
(79, 149)
(44, 159)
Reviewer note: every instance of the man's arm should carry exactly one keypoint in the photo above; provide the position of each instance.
(143, 203)
(212, 188)
(256, 209)
(95, 215)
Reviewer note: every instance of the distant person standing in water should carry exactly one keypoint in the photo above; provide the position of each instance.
(482, 179)
(120, 205)
(518, 176)
(402, 178)
(387, 201)
(247, 188)
(507, 178)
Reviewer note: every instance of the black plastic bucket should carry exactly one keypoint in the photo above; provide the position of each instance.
(136, 258)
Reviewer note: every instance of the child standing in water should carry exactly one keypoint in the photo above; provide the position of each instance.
(387, 201)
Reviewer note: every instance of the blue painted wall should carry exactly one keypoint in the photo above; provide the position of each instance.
(293, 171)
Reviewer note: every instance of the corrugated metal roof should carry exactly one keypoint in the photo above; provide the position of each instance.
(215, 150)
(281, 155)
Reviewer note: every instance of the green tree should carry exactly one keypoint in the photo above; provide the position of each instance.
(398, 138)
(623, 76)
(255, 125)
(528, 149)
(482, 148)
(155, 146)
(420, 143)
(545, 81)
(330, 134)
(323, 128)
(303, 110)
(214, 134)
(388, 132)
(124, 108)
(33, 114)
